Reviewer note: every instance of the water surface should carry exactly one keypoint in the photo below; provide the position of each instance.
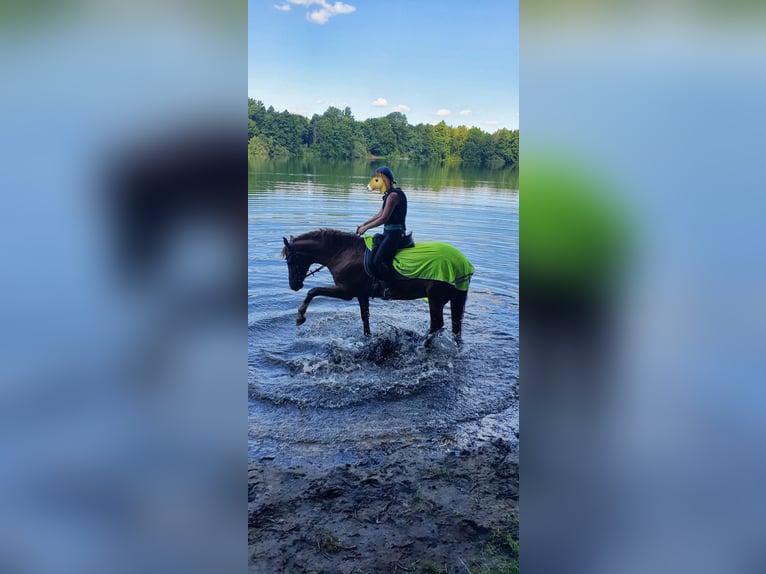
(322, 389)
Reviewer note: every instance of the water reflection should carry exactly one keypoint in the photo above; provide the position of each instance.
(345, 176)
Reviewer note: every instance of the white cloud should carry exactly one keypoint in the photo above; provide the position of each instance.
(326, 9)
(491, 122)
(380, 102)
(443, 112)
(401, 108)
(318, 16)
(465, 112)
(283, 7)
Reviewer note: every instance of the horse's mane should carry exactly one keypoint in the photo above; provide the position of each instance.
(334, 237)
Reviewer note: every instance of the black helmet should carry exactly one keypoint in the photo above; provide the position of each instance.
(385, 170)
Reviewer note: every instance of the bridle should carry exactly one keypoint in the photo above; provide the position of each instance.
(308, 273)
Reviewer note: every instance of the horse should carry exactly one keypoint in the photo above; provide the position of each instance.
(343, 254)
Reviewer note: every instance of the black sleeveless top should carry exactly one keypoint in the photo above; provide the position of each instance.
(399, 214)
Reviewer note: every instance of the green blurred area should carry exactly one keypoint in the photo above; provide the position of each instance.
(574, 232)
(547, 11)
(21, 15)
(18, 15)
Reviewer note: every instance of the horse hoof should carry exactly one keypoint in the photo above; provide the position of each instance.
(300, 320)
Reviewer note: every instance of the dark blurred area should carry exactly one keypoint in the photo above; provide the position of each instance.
(123, 357)
(642, 330)
(180, 182)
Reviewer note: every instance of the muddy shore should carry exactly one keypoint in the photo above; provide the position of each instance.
(405, 508)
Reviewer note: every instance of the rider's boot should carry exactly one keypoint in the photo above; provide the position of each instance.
(381, 290)
(387, 286)
(377, 289)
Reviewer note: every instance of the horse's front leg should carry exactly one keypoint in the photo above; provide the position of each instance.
(330, 291)
(364, 308)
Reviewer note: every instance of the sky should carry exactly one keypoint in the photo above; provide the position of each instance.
(451, 60)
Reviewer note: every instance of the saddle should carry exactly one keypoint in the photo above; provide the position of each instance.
(405, 242)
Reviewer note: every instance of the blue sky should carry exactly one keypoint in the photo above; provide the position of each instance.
(448, 60)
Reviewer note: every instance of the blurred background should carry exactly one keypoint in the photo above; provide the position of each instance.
(123, 353)
(123, 359)
(642, 320)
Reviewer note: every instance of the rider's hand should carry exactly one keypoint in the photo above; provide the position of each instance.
(358, 230)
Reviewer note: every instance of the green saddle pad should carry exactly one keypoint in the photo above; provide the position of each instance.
(432, 260)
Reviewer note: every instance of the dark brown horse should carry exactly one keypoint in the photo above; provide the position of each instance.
(343, 254)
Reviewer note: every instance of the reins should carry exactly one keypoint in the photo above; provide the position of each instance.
(310, 273)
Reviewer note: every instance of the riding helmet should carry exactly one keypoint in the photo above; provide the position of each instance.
(385, 170)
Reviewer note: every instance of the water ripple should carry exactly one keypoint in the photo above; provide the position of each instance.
(324, 383)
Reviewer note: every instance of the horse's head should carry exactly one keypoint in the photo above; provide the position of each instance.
(297, 265)
(382, 180)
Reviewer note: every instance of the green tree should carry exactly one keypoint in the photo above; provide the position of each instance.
(459, 135)
(286, 131)
(257, 148)
(335, 134)
(402, 132)
(505, 146)
(359, 150)
(256, 111)
(442, 136)
(381, 139)
(476, 149)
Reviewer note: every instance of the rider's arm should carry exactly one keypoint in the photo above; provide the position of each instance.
(382, 216)
(373, 218)
(359, 229)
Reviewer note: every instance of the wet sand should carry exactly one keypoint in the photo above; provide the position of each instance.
(401, 508)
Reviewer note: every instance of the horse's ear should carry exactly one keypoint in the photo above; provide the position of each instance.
(287, 243)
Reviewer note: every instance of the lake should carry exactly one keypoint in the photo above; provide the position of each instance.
(324, 392)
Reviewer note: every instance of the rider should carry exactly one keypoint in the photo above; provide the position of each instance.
(392, 215)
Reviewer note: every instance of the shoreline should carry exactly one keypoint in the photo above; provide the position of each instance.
(409, 509)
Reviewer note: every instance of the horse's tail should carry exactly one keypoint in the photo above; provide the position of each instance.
(462, 282)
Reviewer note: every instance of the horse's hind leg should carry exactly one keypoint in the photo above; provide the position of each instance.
(436, 309)
(436, 302)
(457, 309)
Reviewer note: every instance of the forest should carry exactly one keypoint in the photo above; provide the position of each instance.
(336, 135)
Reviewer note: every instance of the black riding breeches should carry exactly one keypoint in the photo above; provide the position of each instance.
(383, 255)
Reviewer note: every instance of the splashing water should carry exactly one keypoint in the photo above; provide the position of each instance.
(323, 389)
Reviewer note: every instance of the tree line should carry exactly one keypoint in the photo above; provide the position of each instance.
(336, 135)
